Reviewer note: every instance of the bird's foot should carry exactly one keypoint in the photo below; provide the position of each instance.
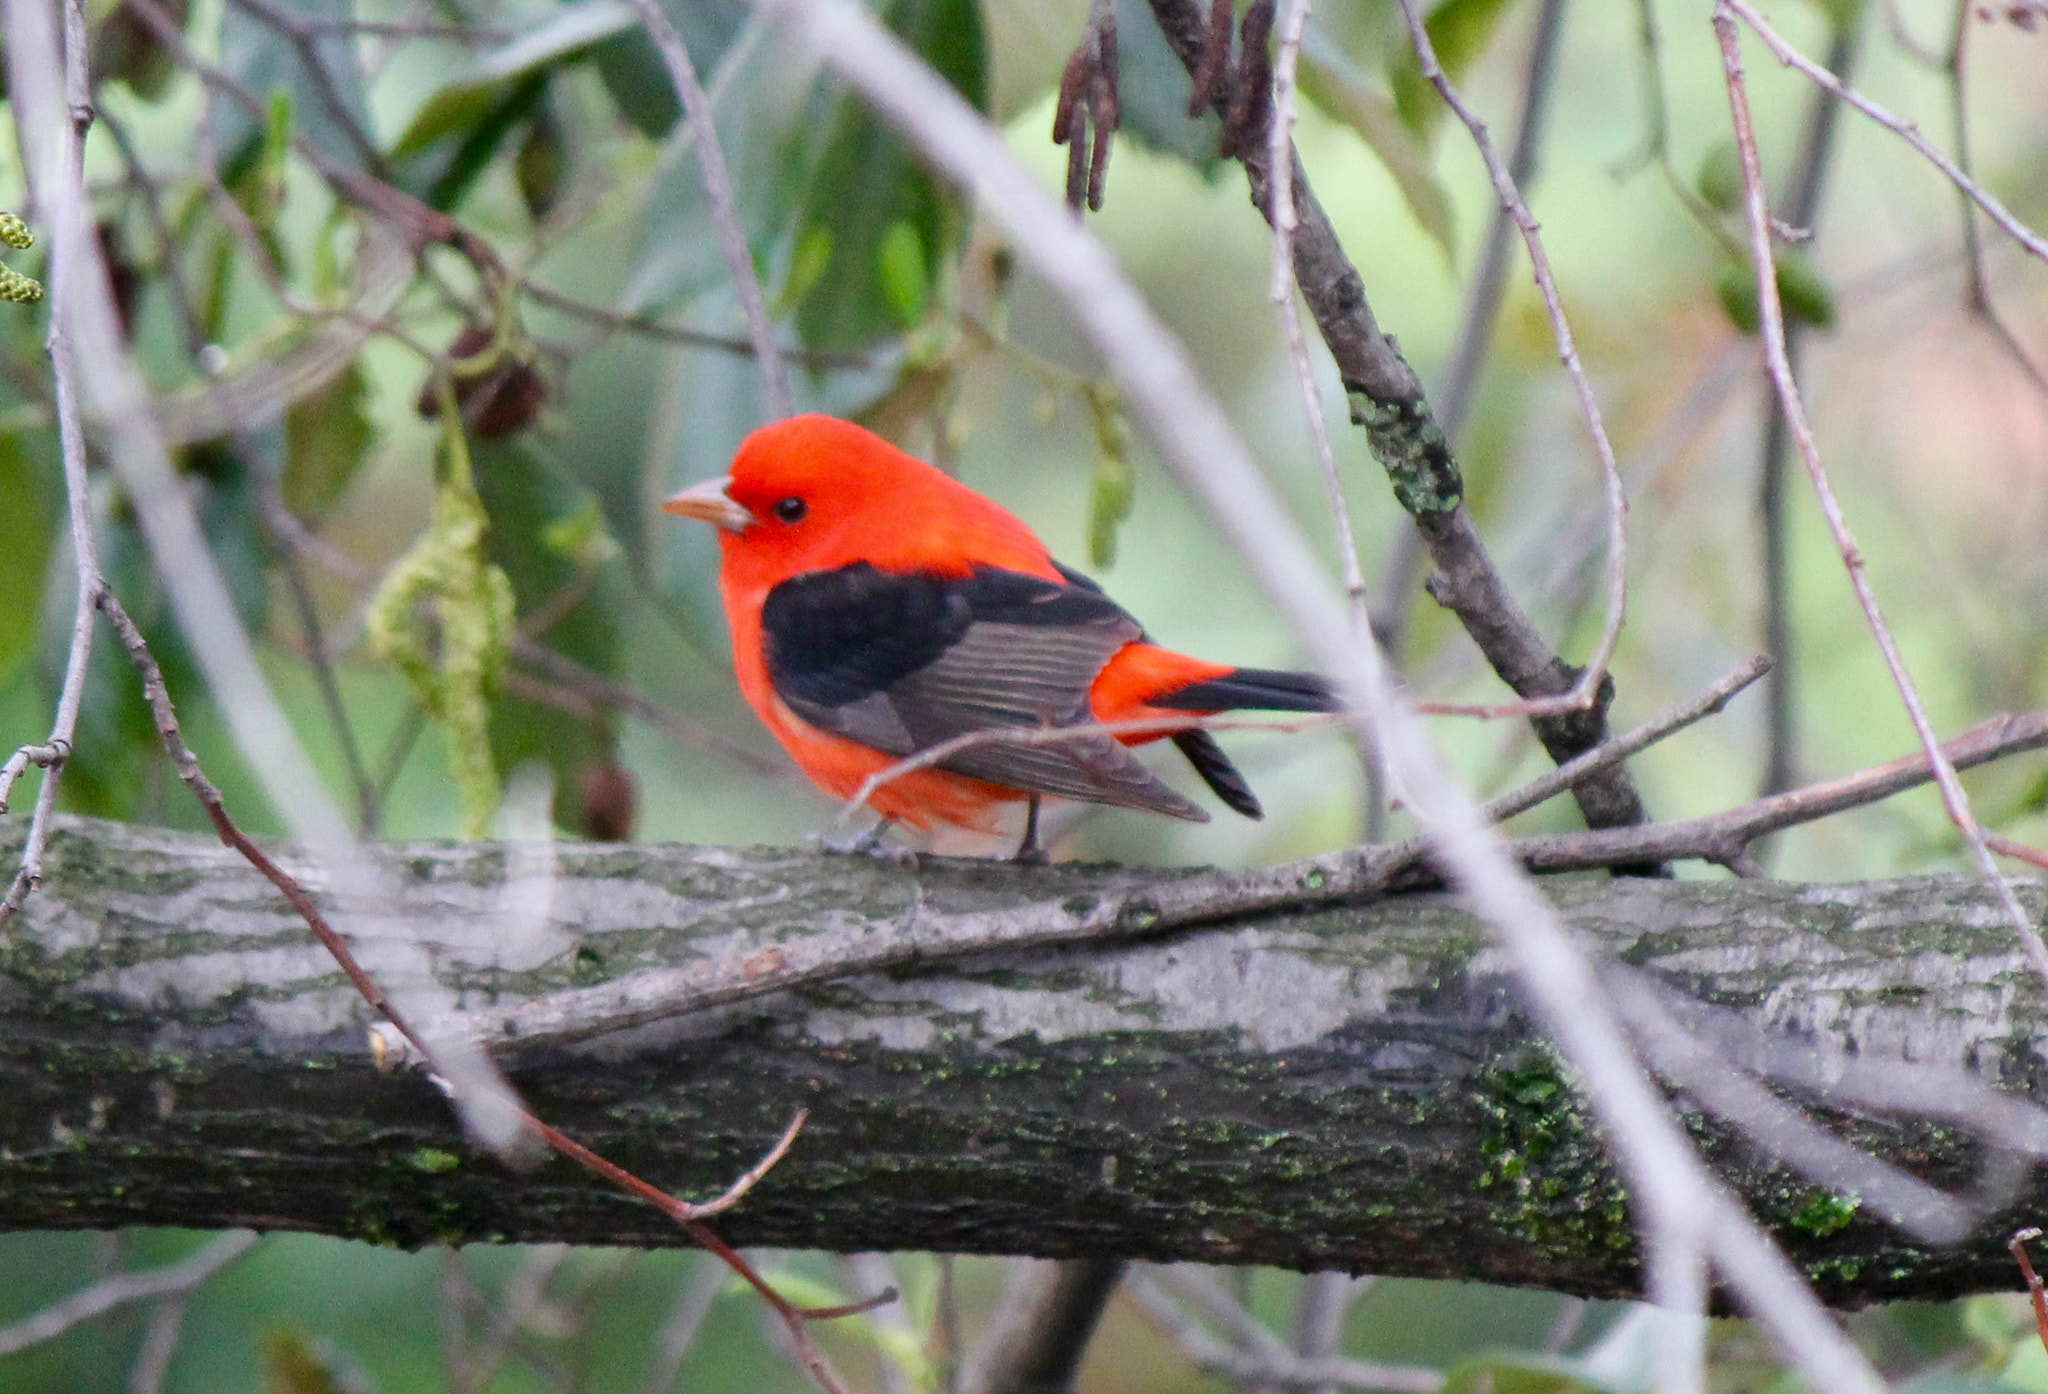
(871, 843)
(1029, 853)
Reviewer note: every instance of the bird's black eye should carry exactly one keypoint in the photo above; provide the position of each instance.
(792, 510)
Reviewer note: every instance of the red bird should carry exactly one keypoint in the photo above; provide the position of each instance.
(879, 607)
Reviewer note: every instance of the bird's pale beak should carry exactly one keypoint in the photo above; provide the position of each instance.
(709, 503)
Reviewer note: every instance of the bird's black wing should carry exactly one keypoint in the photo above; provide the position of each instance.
(900, 661)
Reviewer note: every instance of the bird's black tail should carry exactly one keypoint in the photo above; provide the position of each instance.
(1258, 689)
(1217, 772)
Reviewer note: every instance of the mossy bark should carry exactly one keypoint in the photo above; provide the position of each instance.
(1325, 1086)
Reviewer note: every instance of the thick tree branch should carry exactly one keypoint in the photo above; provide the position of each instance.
(1325, 1087)
(1388, 400)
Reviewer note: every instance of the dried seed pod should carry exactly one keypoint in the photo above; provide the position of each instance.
(499, 394)
(607, 802)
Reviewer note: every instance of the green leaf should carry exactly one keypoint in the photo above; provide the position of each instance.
(1116, 483)
(28, 523)
(1802, 291)
(581, 537)
(637, 78)
(567, 33)
(549, 536)
(473, 155)
(456, 107)
(1028, 45)
(866, 181)
(1459, 31)
(264, 60)
(541, 166)
(1735, 285)
(1344, 91)
(900, 267)
(1720, 178)
(806, 265)
(1805, 293)
(327, 436)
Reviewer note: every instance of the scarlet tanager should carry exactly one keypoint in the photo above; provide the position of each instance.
(879, 607)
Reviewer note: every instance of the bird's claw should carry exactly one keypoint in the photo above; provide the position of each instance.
(868, 844)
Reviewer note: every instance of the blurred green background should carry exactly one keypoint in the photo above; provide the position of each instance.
(550, 129)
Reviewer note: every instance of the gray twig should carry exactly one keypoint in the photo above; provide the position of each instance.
(1771, 316)
(1954, 67)
(1802, 205)
(1048, 1311)
(1585, 689)
(113, 389)
(1457, 389)
(1387, 398)
(159, 1344)
(180, 1278)
(1249, 1354)
(693, 1303)
(1556, 781)
(1281, 214)
(2035, 244)
(85, 552)
(739, 259)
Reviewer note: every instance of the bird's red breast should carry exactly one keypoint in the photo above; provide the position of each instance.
(879, 606)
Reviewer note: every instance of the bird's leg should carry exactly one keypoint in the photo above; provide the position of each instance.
(868, 844)
(1029, 853)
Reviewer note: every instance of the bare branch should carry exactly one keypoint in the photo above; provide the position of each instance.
(739, 259)
(1641, 738)
(2035, 244)
(1781, 765)
(1772, 327)
(1252, 1355)
(85, 554)
(1387, 399)
(1458, 387)
(1587, 687)
(1048, 1311)
(113, 389)
(1281, 214)
(173, 1279)
(693, 1302)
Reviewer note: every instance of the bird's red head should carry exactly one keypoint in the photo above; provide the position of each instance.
(813, 492)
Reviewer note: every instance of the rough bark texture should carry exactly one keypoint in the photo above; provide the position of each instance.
(1328, 1087)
